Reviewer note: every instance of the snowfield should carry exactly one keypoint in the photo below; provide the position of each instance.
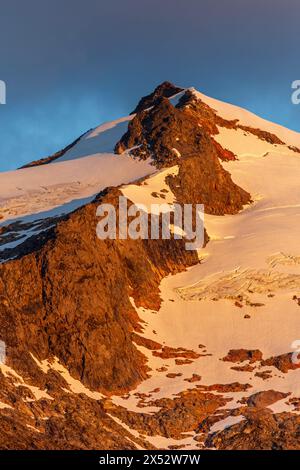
(30, 195)
(255, 256)
(83, 171)
(39, 189)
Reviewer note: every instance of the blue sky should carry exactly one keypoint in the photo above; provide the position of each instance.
(70, 65)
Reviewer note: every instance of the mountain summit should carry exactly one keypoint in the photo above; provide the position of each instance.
(164, 90)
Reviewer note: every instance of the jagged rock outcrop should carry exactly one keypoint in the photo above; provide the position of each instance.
(261, 430)
(210, 120)
(165, 89)
(284, 362)
(70, 299)
(177, 415)
(241, 355)
(172, 135)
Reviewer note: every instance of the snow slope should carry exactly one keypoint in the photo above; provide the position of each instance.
(242, 258)
(253, 256)
(102, 139)
(246, 118)
(30, 195)
(37, 189)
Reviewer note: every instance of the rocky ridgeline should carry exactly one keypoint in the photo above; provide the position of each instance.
(171, 135)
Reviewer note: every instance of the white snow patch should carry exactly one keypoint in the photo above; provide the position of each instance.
(177, 153)
(143, 194)
(246, 144)
(176, 98)
(19, 381)
(160, 442)
(3, 406)
(226, 423)
(74, 385)
(134, 434)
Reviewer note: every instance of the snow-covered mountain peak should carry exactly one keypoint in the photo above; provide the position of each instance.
(169, 126)
(143, 340)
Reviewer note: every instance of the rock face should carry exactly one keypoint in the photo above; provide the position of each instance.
(70, 299)
(172, 136)
(66, 421)
(241, 355)
(262, 430)
(165, 89)
(265, 398)
(284, 362)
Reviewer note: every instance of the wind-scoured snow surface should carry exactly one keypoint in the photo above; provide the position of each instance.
(246, 118)
(30, 196)
(102, 139)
